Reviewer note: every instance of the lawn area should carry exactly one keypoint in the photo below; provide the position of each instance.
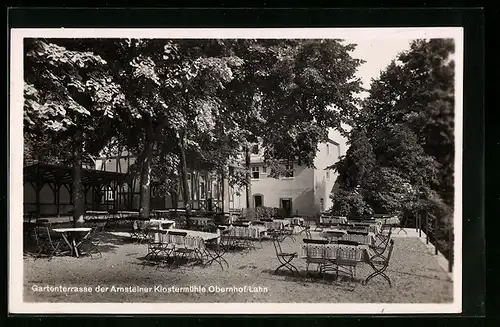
(414, 271)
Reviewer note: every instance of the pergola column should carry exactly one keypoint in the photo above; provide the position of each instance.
(131, 194)
(58, 199)
(38, 188)
(58, 184)
(53, 188)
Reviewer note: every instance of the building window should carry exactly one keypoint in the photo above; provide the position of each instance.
(338, 150)
(109, 194)
(202, 190)
(289, 171)
(264, 170)
(215, 191)
(255, 149)
(327, 175)
(322, 204)
(255, 172)
(231, 194)
(190, 185)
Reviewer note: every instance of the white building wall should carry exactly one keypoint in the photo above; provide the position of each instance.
(324, 180)
(308, 188)
(298, 188)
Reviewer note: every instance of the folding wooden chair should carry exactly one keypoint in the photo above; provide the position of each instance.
(287, 232)
(402, 225)
(181, 250)
(196, 245)
(316, 255)
(226, 239)
(135, 232)
(210, 227)
(320, 226)
(237, 237)
(215, 253)
(346, 261)
(379, 264)
(180, 221)
(156, 245)
(285, 258)
(143, 229)
(383, 241)
(28, 232)
(305, 229)
(46, 243)
(90, 244)
(99, 224)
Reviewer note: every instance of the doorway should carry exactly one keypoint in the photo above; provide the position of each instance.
(257, 201)
(286, 205)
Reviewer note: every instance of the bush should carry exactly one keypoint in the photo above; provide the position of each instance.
(260, 213)
(350, 204)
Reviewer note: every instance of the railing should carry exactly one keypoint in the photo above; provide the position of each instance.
(431, 236)
(422, 223)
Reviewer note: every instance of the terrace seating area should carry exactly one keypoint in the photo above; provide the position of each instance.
(341, 253)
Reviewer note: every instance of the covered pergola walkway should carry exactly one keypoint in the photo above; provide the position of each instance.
(48, 189)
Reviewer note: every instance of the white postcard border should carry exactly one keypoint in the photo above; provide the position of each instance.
(16, 304)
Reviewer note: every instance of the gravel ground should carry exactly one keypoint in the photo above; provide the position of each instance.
(415, 274)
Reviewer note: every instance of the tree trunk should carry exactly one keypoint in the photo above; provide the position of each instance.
(141, 181)
(184, 178)
(451, 253)
(222, 191)
(146, 184)
(145, 195)
(118, 160)
(248, 186)
(78, 196)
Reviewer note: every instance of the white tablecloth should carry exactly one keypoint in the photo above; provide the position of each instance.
(254, 232)
(388, 221)
(296, 221)
(160, 222)
(201, 221)
(332, 220)
(335, 251)
(276, 224)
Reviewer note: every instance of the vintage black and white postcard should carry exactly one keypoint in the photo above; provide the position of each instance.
(236, 170)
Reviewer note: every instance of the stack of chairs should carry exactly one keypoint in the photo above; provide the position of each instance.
(174, 247)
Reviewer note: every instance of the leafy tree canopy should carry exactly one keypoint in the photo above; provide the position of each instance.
(401, 147)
